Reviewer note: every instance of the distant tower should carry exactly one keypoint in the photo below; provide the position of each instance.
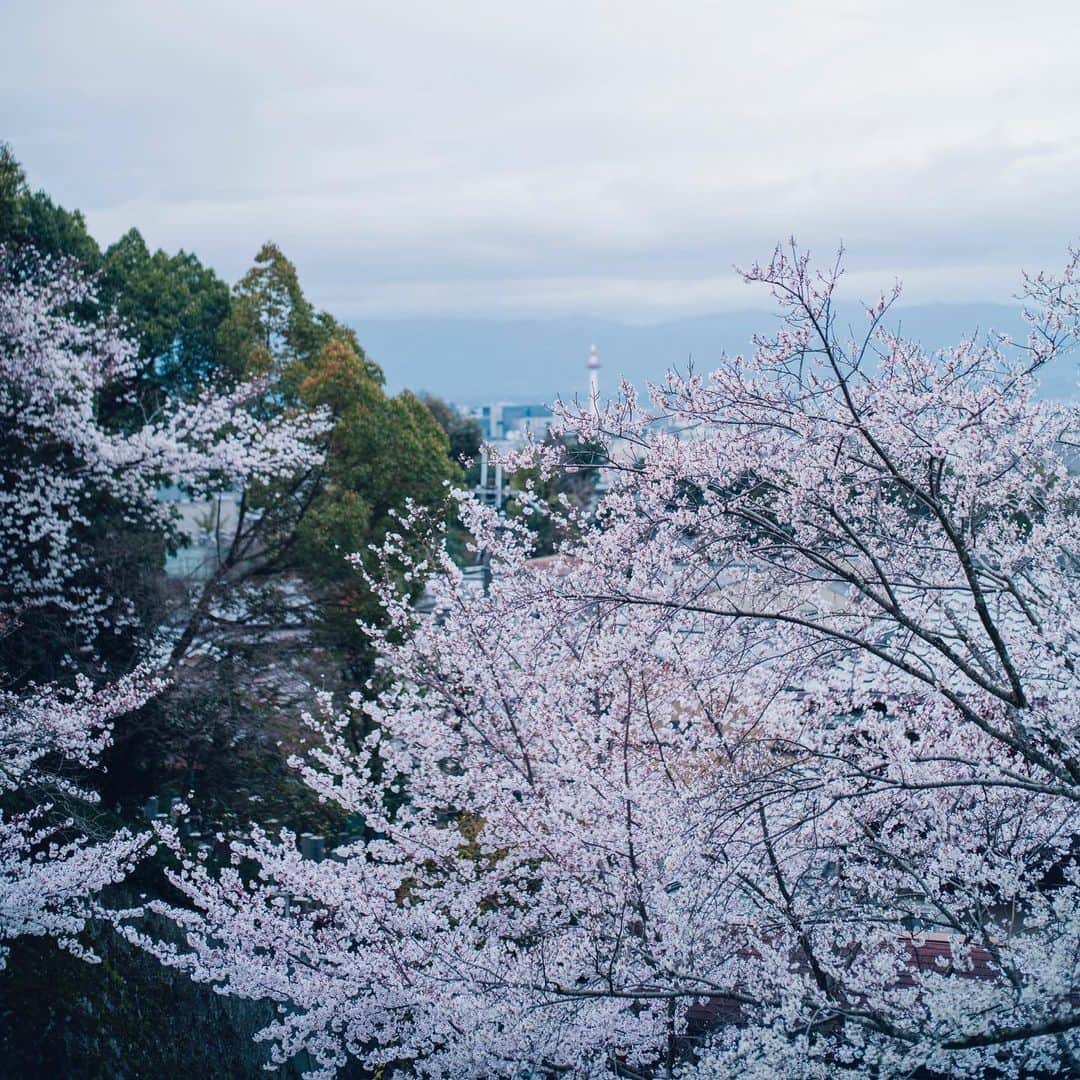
(594, 379)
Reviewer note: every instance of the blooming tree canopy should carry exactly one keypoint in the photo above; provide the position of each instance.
(57, 461)
(49, 868)
(773, 771)
(59, 457)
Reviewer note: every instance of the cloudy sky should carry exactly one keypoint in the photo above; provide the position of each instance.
(548, 159)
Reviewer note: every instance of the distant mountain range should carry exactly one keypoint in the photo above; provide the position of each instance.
(473, 361)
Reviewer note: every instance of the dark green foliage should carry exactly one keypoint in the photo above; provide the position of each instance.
(55, 232)
(273, 329)
(127, 1017)
(380, 452)
(31, 220)
(174, 307)
(464, 432)
(12, 185)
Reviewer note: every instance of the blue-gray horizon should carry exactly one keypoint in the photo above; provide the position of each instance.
(472, 362)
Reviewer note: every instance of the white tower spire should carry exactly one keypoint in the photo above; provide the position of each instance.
(593, 365)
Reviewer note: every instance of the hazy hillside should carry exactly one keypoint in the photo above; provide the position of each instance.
(474, 360)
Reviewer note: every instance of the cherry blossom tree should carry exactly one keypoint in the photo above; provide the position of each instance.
(774, 770)
(61, 461)
(50, 740)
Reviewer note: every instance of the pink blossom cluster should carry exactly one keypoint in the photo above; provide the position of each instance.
(50, 868)
(59, 457)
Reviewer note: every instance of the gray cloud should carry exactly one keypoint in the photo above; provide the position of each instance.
(604, 158)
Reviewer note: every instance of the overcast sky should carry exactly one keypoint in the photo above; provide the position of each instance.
(547, 159)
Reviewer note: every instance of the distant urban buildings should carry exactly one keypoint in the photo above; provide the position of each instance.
(511, 422)
(503, 421)
(207, 525)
